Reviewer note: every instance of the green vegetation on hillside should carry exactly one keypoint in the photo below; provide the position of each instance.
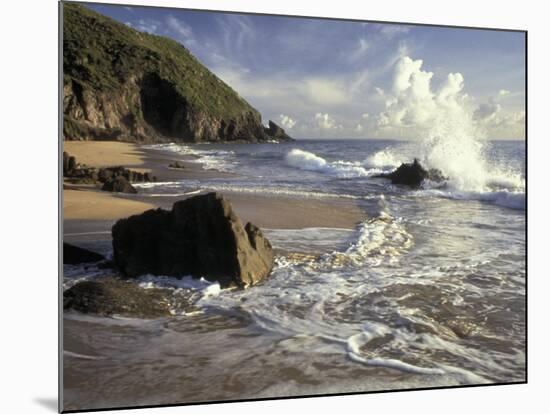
(102, 54)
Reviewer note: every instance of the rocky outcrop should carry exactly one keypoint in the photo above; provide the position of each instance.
(413, 174)
(113, 178)
(111, 296)
(201, 236)
(122, 84)
(177, 164)
(119, 184)
(276, 132)
(74, 255)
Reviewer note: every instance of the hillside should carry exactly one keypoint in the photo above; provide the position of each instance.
(121, 84)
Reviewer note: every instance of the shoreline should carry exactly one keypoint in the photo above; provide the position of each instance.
(266, 211)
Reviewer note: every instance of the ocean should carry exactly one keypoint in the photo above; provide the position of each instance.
(429, 290)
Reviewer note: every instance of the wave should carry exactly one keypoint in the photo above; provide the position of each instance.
(177, 189)
(504, 198)
(309, 161)
(203, 286)
(357, 351)
(384, 159)
(477, 180)
(210, 159)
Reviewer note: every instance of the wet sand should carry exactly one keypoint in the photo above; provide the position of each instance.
(94, 204)
(82, 203)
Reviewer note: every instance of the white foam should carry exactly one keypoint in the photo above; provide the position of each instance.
(187, 282)
(309, 161)
(504, 198)
(285, 191)
(379, 238)
(305, 160)
(383, 159)
(210, 159)
(371, 331)
(185, 193)
(80, 356)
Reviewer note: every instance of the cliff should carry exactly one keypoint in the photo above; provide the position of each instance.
(121, 84)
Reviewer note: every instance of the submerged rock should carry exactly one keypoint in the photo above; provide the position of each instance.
(76, 255)
(413, 174)
(111, 296)
(201, 236)
(177, 164)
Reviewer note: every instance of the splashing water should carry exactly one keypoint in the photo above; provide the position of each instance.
(450, 137)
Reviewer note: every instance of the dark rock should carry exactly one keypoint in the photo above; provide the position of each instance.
(65, 162)
(119, 184)
(201, 236)
(276, 132)
(110, 296)
(176, 164)
(104, 174)
(71, 163)
(413, 174)
(76, 255)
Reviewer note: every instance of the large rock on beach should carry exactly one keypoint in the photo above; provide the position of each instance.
(201, 236)
(111, 296)
(413, 174)
(76, 255)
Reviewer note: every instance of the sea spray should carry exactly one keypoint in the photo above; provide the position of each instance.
(449, 136)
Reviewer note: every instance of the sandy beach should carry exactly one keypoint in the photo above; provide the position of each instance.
(105, 153)
(94, 204)
(87, 202)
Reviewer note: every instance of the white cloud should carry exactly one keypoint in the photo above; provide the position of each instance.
(392, 30)
(180, 28)
(147, 25)
(359, 128)
(359, 51)
(499, 122)
(413, 103)
(365, 115)
(415, 108)
(487, 111)
(325, 121)
(325, 91)
(287, 121)
(388, 31)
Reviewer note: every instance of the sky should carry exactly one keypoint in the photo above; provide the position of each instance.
(321, 78)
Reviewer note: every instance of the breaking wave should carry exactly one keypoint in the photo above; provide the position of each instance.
(309, 161)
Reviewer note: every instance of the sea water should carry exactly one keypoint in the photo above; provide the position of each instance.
(428, 291)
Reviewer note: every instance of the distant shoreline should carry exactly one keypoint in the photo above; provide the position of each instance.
(83, 203)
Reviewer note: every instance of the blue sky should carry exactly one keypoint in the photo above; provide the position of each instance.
(340, 79)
